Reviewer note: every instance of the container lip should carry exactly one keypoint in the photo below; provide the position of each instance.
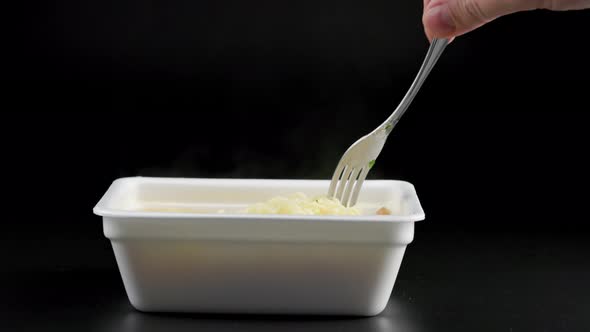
(101, 208)
(124, 214)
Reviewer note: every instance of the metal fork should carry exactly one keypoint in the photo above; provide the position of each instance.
(360, 157)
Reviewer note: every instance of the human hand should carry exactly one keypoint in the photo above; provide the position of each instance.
(451, 18)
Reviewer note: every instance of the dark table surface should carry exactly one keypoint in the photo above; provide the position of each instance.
(447, 282)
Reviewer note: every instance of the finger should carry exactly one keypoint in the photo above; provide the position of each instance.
(567, 4)
(448, 18)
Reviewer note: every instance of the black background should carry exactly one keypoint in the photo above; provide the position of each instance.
(496, 141)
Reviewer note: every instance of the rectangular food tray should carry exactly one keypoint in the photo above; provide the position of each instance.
(184, 245)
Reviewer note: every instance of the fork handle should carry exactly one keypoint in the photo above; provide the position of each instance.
(434, 52)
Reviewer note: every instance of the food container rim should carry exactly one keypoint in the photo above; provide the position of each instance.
(102, 207)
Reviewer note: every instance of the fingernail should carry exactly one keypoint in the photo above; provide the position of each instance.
(440, 19)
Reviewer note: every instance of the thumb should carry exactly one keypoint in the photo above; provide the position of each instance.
(450, 18)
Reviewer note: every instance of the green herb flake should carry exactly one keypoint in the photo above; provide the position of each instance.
(388, 128)
(371, 163)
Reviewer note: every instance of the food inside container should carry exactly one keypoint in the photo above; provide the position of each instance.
(295, 204)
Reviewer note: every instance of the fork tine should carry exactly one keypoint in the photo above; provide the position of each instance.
(334, 181)
(359, 184)
(343, 181)
(349, 186)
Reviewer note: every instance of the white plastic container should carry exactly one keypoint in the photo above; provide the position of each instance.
(216, 262)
